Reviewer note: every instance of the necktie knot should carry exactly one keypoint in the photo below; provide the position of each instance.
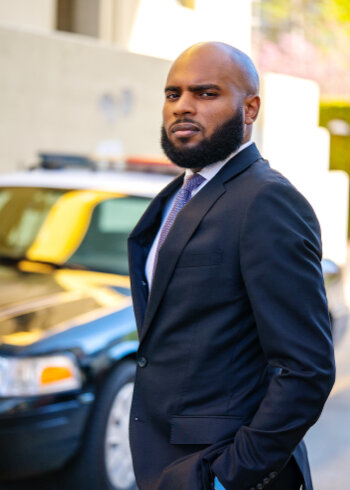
(191, 183)
(182, 197)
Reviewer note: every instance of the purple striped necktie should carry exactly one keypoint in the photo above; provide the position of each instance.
(182, 197)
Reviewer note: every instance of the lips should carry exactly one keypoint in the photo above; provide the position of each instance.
(183, 130)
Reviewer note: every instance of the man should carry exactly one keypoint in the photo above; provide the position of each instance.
(235, 359)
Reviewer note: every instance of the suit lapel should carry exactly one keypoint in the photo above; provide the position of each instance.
(154, 210)
(139, 243)
(185, 225)
(183, 228)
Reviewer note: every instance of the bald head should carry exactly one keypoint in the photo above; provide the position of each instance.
(243, 71)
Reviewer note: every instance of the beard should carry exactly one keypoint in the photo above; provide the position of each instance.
(226, 139)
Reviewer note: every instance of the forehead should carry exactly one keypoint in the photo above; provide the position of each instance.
(204, 66)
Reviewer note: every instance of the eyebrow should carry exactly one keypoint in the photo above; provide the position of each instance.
(193, 88)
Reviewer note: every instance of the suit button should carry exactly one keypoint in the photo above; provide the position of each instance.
(259, 486)
(266, 481)
(142, 362)
(273, 475)
(143, 283)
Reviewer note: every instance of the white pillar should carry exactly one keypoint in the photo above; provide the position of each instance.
(292, 141)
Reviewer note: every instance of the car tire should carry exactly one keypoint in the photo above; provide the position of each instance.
(104, 461)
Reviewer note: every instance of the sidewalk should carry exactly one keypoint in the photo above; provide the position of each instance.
(328, 441)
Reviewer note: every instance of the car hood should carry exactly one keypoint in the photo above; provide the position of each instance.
(39, 301)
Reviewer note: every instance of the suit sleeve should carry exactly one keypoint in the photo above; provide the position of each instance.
(280, 250)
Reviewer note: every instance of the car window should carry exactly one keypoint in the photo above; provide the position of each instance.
(104, 246)
(22, 213)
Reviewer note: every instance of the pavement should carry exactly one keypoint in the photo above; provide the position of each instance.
(328, 441)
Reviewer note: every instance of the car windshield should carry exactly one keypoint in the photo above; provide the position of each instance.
(80, 228)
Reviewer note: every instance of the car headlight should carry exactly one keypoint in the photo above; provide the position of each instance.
(38, 375)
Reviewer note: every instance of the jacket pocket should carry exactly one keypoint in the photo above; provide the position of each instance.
(199, 259)
(202, 429)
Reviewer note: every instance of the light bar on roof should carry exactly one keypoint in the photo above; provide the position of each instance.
(142, 163)
(151, 164)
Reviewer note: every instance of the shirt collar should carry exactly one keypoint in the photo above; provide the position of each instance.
(209, 171)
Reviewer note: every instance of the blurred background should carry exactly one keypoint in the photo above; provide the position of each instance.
(86, 77)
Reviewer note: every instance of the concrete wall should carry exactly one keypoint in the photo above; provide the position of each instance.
(33, 13)
(65, 92)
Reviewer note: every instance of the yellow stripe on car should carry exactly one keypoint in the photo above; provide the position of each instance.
(66, 225)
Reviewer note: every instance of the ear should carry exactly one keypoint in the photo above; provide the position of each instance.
(251, 108)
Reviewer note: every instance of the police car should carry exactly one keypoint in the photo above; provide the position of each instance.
(68, 339)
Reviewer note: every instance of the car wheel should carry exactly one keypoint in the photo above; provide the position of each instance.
(104, 462)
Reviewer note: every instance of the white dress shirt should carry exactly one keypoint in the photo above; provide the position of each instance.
(208, 173)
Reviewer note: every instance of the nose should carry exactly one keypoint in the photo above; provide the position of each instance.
(184, 105)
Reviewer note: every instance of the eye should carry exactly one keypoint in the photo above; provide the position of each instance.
(171, 96)
(208, 95)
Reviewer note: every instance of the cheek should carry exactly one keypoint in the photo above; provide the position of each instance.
(167, 117)
(211, 123)
(164, 113)
(215, 117)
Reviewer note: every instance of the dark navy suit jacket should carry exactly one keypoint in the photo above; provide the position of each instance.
(236, 358)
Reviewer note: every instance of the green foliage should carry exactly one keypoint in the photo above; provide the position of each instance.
(325, 23)
(340, 11)
(340, 145)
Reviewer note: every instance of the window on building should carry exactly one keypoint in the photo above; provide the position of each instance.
(78, 16)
